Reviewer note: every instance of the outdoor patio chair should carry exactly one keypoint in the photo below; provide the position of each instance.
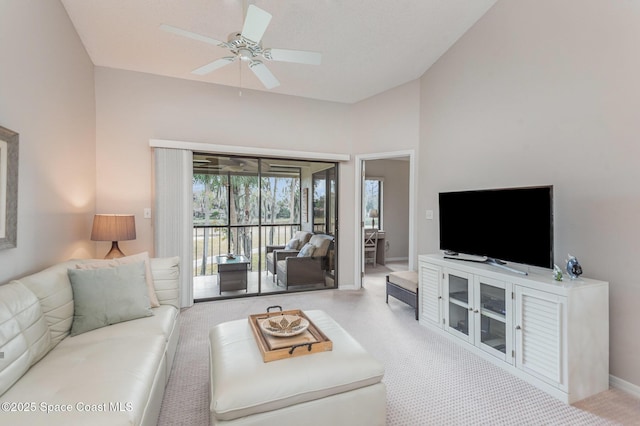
(280, 252)
(308, 266)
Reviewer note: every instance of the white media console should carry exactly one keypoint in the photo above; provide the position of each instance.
(554, 335)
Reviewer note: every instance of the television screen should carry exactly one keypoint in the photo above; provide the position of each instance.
(511, 224)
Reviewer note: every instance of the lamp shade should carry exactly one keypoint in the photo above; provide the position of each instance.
(113, 227)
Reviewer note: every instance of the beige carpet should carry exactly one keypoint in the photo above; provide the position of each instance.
(430, 380)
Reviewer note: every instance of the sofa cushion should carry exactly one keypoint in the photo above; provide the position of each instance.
(53, 289)
(106, 381)
(166, 279)
(405, 279)
(108, 296)
(282, 266)
(160, 323)
(24, 334)
(110, 263)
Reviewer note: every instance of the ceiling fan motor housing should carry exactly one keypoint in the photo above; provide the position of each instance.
(244, 48)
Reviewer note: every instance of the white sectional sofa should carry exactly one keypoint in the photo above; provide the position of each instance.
(112, 375)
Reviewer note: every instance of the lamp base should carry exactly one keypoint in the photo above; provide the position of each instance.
(115, 251)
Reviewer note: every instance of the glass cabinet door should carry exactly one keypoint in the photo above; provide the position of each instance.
(492, 305)
(457, 308)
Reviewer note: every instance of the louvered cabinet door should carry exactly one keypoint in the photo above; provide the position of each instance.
(539, 329)
(430, 294)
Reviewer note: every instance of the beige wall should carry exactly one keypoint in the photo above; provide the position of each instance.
(46, 95)
(388, 121)
(134, 107)
(395, 213)
(547, 92)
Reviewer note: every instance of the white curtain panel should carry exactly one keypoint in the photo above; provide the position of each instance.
(173, 225)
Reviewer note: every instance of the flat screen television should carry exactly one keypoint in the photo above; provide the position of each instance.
(509, 224)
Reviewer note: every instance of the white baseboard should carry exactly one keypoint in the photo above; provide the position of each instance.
(347, 287)
(623, 385)
(396, 259)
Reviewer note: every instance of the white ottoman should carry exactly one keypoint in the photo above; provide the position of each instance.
(342, 386)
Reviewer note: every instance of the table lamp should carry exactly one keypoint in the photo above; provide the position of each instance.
(114, 228)
(373, 213)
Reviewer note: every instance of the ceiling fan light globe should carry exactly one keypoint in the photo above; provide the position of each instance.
(245, 54)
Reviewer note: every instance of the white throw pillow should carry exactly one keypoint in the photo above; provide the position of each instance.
(307, 250)
(292, 244)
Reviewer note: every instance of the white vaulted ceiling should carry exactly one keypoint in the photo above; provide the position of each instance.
(367, 46)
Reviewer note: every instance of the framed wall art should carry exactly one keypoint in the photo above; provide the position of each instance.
(8, 188)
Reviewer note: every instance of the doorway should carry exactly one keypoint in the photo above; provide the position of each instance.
(386, 191)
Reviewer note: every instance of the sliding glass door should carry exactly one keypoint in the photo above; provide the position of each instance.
(325, 210)
(243, 205)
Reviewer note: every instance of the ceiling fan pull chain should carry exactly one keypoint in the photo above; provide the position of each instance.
(240, 84)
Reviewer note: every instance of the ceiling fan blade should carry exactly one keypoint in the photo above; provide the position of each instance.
(297, 56)
(264, 75)
(255, 24)
(194, 36)
(219, 63)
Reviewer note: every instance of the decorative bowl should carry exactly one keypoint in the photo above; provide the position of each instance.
(284, 325)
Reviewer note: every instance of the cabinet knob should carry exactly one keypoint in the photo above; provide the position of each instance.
(470, 308)
(476, 311)
(518, 327)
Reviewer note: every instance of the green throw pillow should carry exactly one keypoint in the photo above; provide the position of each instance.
(108, 296)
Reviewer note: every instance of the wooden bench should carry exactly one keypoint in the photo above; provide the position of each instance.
(404, 287)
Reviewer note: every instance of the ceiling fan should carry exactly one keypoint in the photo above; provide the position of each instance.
(246, 46)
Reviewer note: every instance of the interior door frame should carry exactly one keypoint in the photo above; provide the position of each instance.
(359, 179)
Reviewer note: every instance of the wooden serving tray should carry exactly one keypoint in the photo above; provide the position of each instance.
(272, 348)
